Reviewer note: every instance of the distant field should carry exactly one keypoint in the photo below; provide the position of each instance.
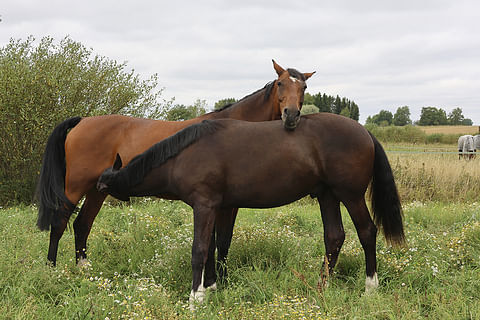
(450, 129)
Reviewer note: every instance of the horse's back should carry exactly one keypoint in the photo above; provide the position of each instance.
(245, 159)
(92, 145)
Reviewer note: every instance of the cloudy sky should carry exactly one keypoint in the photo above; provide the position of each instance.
(381, 54)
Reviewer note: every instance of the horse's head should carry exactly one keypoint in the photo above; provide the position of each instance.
(290, 88)
(108, 181)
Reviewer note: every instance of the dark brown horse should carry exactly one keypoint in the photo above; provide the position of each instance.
(72, 163)
(218, 165)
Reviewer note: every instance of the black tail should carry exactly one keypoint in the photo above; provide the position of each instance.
(50, 192)
(387, 210)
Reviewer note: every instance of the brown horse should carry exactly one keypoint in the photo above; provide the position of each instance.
(72, 163)
(218, 165)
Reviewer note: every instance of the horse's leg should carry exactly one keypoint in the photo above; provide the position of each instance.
(367, 233)
(83, 223)
(58, 226)
(333, 233)
(225, 222)
(209, 276)
(56, 231)
(221, 237)
(203, 223)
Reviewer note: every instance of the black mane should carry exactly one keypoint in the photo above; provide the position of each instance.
(268, 89)
(160, 152)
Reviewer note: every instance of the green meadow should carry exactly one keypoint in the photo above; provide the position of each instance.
(140, 266)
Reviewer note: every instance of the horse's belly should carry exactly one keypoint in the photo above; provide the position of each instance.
(265, 195)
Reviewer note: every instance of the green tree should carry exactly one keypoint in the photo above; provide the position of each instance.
(345, 112)
(456, 117)
(431, 116)
(308, 99)
(353, 110)
(43, 84)
(326, 103)
(180, 112)
(383, 118)
(223, 102)
(337, 105)
(402, 116)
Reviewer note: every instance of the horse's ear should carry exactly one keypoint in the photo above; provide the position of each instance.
(308, 75)
(118, 163)
(277, 68)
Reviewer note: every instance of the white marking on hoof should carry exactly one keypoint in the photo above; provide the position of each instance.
(84, 264)
(213, 287)
(196, 298)
(371, 283)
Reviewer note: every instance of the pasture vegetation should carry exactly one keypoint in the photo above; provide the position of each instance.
(140, 267)
(140, 258)
(433, 173)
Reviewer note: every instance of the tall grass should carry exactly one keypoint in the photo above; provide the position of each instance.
(411, 134)
(426, 173)
(140, 267)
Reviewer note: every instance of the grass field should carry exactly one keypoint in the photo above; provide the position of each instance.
(140, 267)
(473, 130)
(433, 172)
(140, 258)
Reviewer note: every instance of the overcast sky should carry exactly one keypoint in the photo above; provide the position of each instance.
(380, 54)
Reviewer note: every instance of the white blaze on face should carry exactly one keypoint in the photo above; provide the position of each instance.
(371, 283)
(294, 79)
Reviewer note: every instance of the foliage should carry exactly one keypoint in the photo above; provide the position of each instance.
(223, 102)
(180, 112)
(455, 117)
(409, 134)
(383, 118)
(331, 104)
(43, 84)
(140, 267)
(402, 116)
(432, 116)
(434, 173)
(309, 109)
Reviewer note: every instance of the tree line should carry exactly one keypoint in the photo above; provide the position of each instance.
(312, 103)
(429, 116)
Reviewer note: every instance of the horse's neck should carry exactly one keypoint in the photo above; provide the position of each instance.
(155, 182)
(251, 108)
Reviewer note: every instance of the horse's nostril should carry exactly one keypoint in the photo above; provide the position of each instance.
(298, 113)
(285, 111)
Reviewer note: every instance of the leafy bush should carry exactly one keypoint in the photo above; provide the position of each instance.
(409, 134)
(42, 85)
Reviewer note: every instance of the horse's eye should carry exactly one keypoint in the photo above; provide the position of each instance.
(279, 83)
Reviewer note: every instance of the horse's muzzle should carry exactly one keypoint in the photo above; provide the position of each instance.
(290, 119)
(102, 187)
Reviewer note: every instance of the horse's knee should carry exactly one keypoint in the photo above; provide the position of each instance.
(334, 240)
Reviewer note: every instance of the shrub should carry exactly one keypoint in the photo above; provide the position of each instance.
(42, 85)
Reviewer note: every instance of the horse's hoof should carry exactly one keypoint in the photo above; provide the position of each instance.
(196, 298)
(371, 284)
(84, 264)
(213, 287)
